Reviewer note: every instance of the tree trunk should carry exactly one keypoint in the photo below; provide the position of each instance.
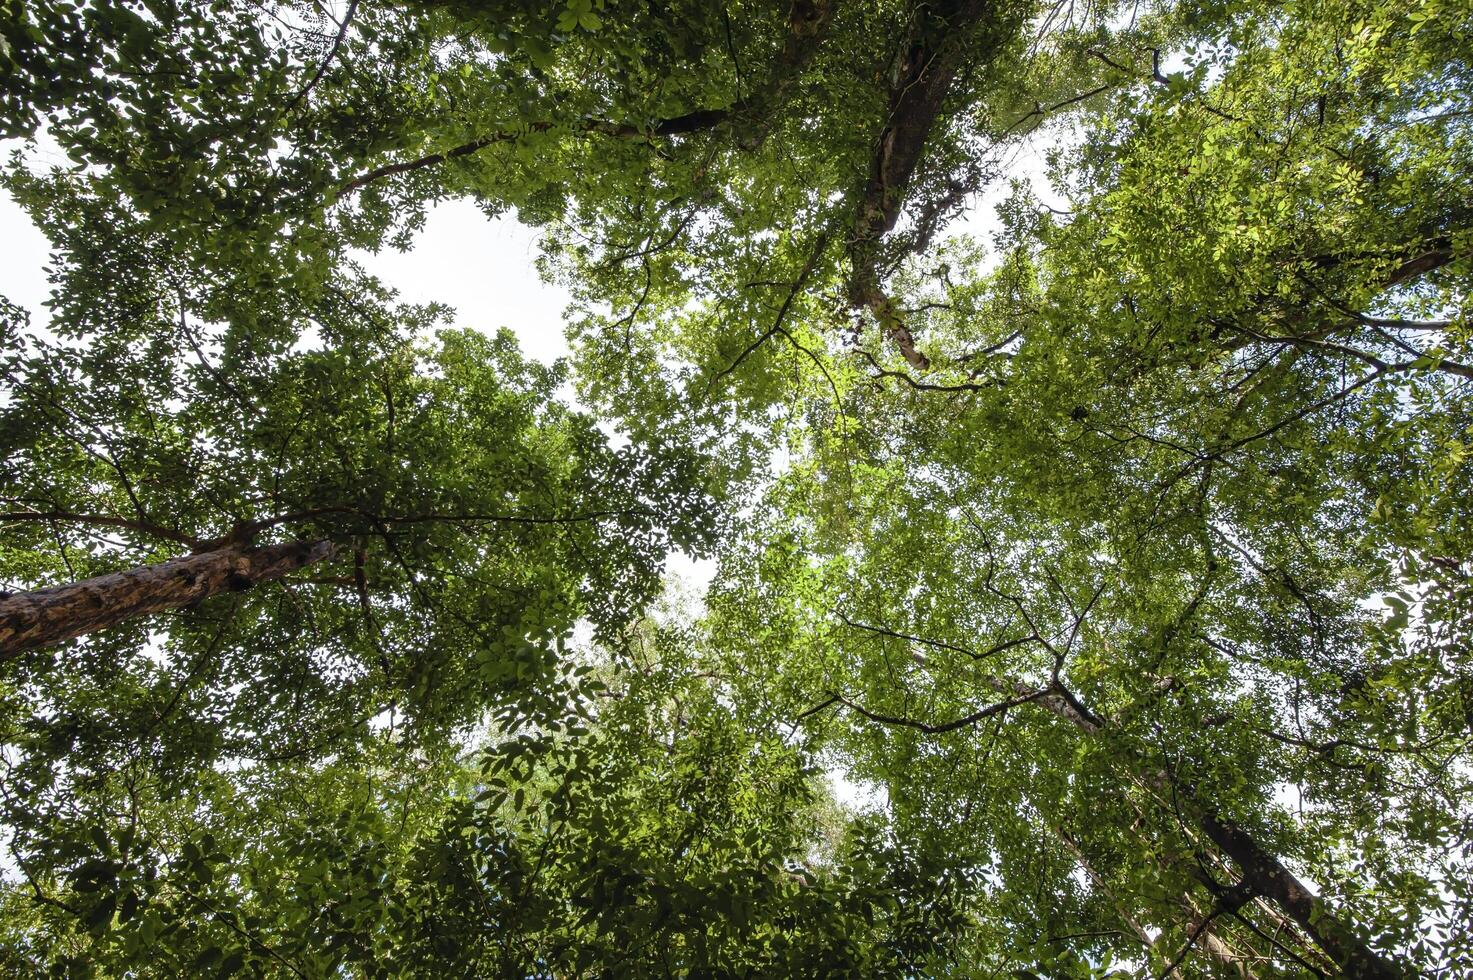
(1267, 876)
(1261, 869)
(1200, 931)
(941, 39)
(46, 617)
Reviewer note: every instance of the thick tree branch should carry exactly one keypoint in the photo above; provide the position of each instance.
(989, 652)
(45, 617)
(782, 313)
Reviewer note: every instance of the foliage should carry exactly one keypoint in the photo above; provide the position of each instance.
(1124, 551)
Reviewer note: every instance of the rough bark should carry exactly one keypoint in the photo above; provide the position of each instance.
(937, 44)
(940, 40)
(871, 295)
(1264, 874)
(45, 617)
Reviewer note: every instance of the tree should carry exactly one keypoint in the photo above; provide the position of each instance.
(439, 523)
(1087, 398)
(46, 617)
(1139, 482)
(1072, 546)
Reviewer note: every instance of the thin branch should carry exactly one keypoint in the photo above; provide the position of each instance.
(248, 936)
(1237, 914)
(928, 729)
(690, 122)
(247, 528)
(103, 520)
(1291, 418)
(991, 348)
(433, 159)
(991, 651)
(822, 705)
(193, 341)
(881, 372)
(649, 250)
(1044, 111)
(332, 54)
(782, 313)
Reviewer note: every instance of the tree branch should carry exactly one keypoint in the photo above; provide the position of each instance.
(103, 520)
(920, 726)
(332, 54)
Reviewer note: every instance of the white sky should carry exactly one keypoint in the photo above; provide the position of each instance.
(23, 253)
(483, 268)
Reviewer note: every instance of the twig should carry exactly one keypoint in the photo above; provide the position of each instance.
(332, 54)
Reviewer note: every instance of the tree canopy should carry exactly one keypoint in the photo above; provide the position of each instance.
(1105, 524)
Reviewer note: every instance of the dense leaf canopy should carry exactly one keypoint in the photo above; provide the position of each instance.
(1102, 526)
